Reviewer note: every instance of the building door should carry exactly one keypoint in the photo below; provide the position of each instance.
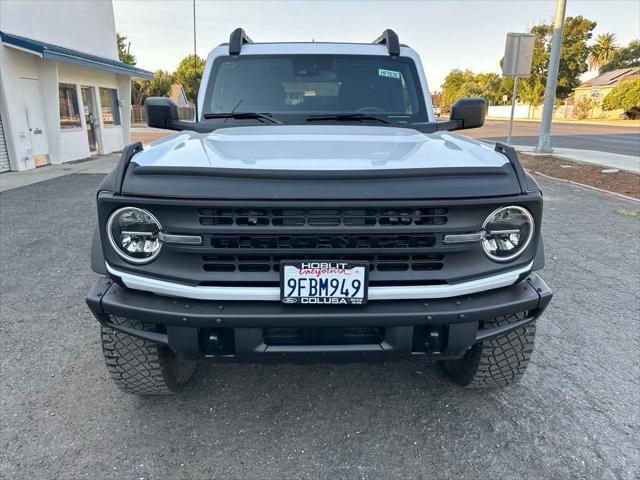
(4, 155)
(36, 137)
(91, 120)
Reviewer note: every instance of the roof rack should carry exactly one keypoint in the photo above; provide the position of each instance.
(390, 39)
(237, 38)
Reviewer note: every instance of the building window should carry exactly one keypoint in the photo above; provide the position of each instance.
(69, 111)
(109, 104)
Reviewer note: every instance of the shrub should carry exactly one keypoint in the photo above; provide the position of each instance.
(582, 108)
(625, 96)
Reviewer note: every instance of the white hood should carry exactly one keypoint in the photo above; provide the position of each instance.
(318, 148)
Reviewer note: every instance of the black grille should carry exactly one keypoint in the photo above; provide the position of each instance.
(271, 263)
(322, 217)
(312, 242)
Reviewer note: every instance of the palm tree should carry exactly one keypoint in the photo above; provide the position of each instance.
(602, 51)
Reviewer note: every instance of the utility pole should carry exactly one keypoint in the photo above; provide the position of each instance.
(544, 140)
(195, 57)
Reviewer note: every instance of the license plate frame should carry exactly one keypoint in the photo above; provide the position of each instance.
(325, 270)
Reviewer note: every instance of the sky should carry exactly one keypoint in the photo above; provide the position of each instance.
(447, 34)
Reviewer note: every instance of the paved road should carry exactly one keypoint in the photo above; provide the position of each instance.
(575, 414)
(605, 138)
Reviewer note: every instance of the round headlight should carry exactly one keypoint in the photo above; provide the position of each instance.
(134, 234)
(507, 232)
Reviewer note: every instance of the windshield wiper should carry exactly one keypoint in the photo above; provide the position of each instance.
(244, 115)
(347, 116)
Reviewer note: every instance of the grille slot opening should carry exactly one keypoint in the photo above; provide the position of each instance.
(312, 241)
(323, 336)
(323, 217)
(266, 263)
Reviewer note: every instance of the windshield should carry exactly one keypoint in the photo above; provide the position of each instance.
(307, 85)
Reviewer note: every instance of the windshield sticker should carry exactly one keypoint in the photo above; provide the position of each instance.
(388, 73)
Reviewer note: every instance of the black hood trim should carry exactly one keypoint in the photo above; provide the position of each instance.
(317, 174)
(442, 184)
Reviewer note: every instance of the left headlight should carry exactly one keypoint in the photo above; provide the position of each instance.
(134, 234)
(507, 232)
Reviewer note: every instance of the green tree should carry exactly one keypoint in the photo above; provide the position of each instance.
(456, 84)
(573, 56)
(625, 96)
(487, 86)
(459, 83)
(124, 50)
(602, 51)
(188, 74)
(159, 86)
(624, 57)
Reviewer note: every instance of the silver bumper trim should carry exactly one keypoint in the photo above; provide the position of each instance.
(162, 287)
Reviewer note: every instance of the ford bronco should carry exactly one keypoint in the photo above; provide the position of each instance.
(315, 210)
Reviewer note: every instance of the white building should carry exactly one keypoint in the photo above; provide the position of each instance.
(64, 95)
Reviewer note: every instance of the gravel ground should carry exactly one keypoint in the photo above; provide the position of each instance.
(575, 414)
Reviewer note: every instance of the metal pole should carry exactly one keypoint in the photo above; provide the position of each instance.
(544, 141)
(195, 58)
(514, 95)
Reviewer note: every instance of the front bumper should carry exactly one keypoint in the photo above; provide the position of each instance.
(437, 328)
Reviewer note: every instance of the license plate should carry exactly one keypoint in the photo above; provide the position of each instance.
(324, 283)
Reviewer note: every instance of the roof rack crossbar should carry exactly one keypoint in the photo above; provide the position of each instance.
(236, 39)
(390, 39)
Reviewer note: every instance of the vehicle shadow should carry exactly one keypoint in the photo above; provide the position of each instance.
(287, 397)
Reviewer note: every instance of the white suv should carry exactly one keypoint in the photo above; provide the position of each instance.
(316, 210)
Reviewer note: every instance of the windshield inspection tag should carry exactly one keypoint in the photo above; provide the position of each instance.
(388, 73)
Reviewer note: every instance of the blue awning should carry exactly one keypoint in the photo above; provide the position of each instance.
(66, 55)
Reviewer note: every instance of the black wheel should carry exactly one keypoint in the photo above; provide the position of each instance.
(140, 367)
(497, 362)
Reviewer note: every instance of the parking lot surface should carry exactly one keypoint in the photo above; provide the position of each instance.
(574, 415)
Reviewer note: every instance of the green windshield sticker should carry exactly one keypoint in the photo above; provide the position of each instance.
(388, 73)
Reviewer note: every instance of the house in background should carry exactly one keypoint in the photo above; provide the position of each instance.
(177, 95)
(64, 95)
(599, 87)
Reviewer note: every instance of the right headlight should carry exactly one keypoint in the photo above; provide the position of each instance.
(134, 234)
(507, 233)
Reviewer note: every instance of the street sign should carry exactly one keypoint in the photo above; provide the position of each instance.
(518, 54)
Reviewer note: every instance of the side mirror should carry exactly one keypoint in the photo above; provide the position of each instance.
(468, 113)
(161, 112)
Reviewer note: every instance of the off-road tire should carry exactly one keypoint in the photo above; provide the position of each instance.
(497, 362)
(141, 367)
